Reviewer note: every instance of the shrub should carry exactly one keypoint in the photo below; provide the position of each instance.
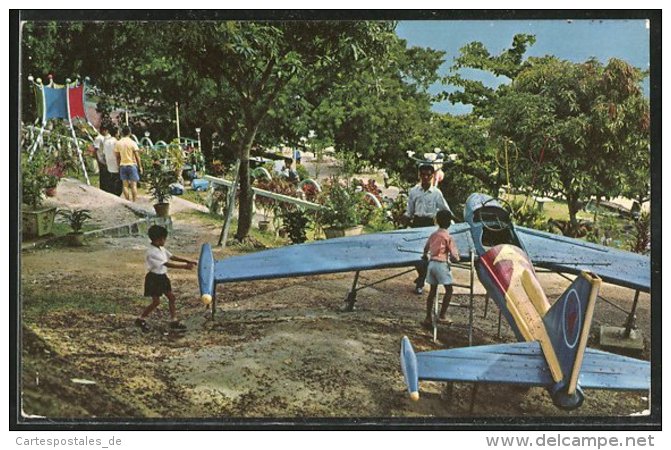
(528, 215)
(342, 206)
(295, 222)
(34, 179)
(641, 241)
(76, 218)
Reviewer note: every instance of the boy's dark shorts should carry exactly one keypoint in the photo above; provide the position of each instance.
(156, 285)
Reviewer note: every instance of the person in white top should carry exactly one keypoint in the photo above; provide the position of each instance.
(115, 186)
(156, 282)
(103, 174)
(424, 201)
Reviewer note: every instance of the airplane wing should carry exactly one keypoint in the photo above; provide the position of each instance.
(564, 254)
(516, 363)
(519, 363)
(603, 370)
(400, 248)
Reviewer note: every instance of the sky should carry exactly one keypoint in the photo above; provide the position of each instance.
(573, 40)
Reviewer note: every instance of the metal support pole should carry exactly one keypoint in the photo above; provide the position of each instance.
(229, 208)
(470, 299)
(177, 120)
(213, 305)
(74, 135)
(498, 332)
(484, 316)
(351, 296)
(39, 141)
(474, 392)
(630, 324)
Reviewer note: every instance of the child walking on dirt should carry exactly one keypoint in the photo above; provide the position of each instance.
(441, 248)
(156, 282)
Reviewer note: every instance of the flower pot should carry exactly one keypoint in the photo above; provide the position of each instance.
(162, 209)
(37, 223)
(264, 225)
(74, 239)
(334, 232)
(50, 191)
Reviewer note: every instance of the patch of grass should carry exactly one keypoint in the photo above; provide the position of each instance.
(267, 238)
(194, 196)
(37, 302)
(61, 228)
(94, 178)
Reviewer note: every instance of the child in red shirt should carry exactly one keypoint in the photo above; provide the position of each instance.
(441, 248)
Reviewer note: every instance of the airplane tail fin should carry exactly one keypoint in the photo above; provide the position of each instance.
(409, 368)
(568, 323)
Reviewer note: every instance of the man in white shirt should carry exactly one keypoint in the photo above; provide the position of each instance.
(424, 201)
(115, 185)
(100, 157)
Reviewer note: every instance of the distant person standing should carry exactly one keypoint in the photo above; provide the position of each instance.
(385, 178)
(297, 157)
(115, 185)
(130, 166)
(289, 172)
(103, 174)
(424, 201)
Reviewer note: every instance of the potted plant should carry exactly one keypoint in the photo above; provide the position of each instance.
(36, 220)
(54, 173)
(267, 205)
(76, 219)
(272, 207)
(341, 214)
(158, 184)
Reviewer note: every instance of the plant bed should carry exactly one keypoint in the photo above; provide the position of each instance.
(37, 223)
(76, 219)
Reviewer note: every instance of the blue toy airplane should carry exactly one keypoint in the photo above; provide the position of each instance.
(506, 256)
(553, 352)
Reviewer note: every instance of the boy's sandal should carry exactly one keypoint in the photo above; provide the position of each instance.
(445, 321)
(142, 324)
(177, 325)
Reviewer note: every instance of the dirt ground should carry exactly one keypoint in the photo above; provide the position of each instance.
(278, 349)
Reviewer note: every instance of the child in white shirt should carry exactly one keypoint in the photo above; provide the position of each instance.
(156, 282)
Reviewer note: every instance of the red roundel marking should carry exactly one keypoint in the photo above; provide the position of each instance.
(572, 318)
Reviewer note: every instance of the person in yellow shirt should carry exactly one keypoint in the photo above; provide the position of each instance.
(130, 167)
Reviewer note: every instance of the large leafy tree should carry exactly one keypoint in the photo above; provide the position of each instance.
(475, 56)
(579, 127)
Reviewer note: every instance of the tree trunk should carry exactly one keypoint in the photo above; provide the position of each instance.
(206, 143)
(573, 208)
(245, 201)
(245, 210)
(597, 205)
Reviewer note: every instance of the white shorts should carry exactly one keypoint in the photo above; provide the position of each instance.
(438, 272)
